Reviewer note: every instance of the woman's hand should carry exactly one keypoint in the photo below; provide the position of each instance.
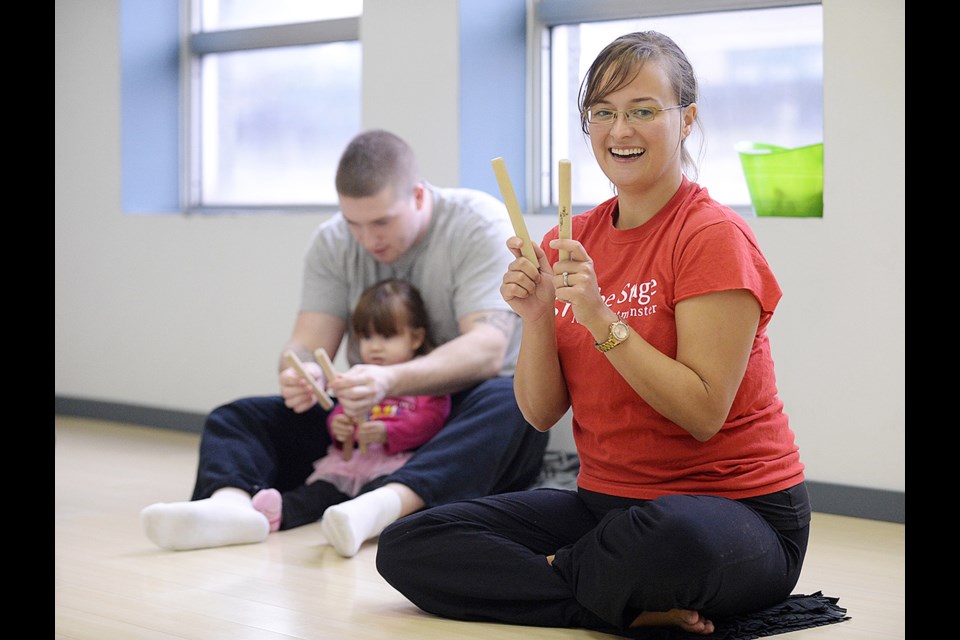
(579, 287)
(527, 288)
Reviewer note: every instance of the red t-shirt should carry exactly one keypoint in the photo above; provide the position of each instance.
(693, 246)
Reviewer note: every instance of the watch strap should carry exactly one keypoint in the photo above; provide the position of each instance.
(611, 340)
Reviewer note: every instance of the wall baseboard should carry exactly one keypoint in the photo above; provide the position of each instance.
(129, 413)
(857, 502)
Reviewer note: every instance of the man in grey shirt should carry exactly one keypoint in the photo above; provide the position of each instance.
(451, 244)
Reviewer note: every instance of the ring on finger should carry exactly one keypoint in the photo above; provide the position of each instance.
(566, 282)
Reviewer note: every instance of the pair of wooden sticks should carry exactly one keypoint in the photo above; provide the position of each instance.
(323, 359)
(516, 216)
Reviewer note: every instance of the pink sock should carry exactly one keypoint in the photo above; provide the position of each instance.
(269, 502)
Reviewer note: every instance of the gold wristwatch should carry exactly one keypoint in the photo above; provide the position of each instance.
(619, 332)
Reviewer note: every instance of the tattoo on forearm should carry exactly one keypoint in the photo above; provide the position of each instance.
(502, 320)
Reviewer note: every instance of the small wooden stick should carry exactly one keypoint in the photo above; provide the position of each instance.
(348, 446)
(513, 208)
(322, 396)
(564, 205)
(361, 445)
(323, 359)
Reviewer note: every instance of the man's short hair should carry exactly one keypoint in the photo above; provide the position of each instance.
(374, 160)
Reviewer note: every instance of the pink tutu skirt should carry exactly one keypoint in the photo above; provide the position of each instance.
(349, 475)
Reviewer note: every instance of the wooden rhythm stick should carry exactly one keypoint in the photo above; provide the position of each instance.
(322, 396)
(513, 208)
(348, 446)
(564, 205)
(323, 359)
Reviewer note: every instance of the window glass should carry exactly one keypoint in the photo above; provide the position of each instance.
(240, 14)
(273, 105)
(761, 80)
(275, 121)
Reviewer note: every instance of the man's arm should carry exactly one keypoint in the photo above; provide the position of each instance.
(475, 355)
(311, 331)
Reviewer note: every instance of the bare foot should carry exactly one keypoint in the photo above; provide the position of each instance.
(686, 619)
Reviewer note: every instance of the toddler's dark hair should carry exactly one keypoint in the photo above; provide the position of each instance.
(387, 308)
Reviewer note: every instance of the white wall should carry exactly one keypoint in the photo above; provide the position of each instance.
(410, 86)
(185, 313)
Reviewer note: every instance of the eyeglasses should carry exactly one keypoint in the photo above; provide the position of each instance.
(604, 116)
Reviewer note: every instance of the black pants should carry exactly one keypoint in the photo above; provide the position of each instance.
(484, 559)
(485, 447)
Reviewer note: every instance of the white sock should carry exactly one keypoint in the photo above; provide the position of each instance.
(225, 518)
(347, 525)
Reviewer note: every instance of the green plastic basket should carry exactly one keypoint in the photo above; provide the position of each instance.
(782, 181)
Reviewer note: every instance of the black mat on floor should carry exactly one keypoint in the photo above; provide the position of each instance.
(799, 611)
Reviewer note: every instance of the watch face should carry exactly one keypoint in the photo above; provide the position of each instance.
(620, 331)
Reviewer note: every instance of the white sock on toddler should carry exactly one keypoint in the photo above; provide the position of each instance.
(347, 525)
(227, 517)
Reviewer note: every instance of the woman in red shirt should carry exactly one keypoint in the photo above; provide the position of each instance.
(690, 503)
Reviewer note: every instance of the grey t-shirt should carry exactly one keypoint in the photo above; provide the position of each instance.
(457, 266)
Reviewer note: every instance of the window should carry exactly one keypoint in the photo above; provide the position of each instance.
(274, 97)
(760, 70)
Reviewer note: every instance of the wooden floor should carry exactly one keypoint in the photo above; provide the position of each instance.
(111, 582)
